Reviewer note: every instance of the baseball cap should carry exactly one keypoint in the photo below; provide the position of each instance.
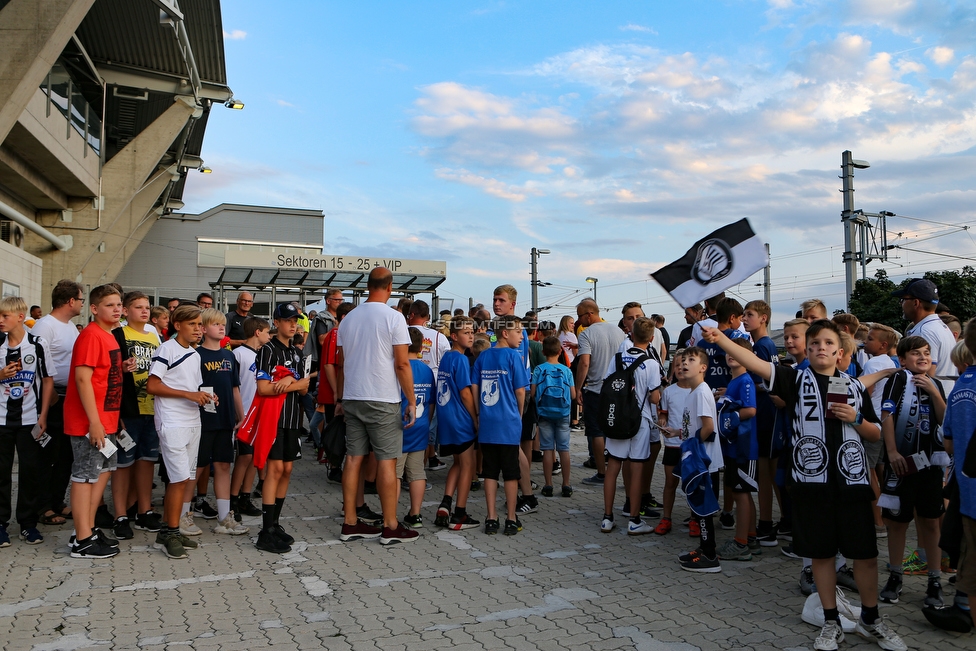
(920, 288)
(286, 311)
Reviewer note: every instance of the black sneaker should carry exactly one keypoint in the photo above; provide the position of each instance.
(268, 542)
(4, 536)
(443, 514)
(465, 521)
(625, 509)
(93, 548)
(527, 505)
(512, 527)
(148, 521)
(557, 468)
(247, 507)
(892, 590)
(649, 512)
(368, 516)
(105, 538)
(31, 536)
(702, 563)
(491, 527)
(282, 535)
(547, 491)
(949, 618)
(590, 463)
(807, 584)
(933, 594)
(476, 485)
(122, 529)
(537, 456)
(769, 538)
(690, 555)
(202, 509)
(567, 491)
(415, 521)
(335, 475)
(652, 503)
(788, 551)
(104, 519)
(727, 520)
(783, 531)
(436, 464)
(132, 512)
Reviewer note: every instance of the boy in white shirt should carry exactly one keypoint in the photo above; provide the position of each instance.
(257, 333)
(669, 415)
(175, 379)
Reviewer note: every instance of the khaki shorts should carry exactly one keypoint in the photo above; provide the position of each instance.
(410, 466)
(373, 424)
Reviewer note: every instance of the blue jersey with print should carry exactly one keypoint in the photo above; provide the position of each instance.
(415, 437)
(498, 373)
(959, 426)
(743, 390)
(454, 423)
(220, 371)
(523, 350)
(717, 375)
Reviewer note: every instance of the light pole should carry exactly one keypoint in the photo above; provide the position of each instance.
(851, 220)
(534, 266)
(591, 279)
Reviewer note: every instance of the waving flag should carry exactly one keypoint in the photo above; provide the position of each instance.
(716, 262)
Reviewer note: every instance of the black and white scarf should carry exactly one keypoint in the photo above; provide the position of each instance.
(811, 454)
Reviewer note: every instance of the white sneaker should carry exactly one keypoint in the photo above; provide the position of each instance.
(231, 526)
(638, 529)
(830, 636)
(607, 525)
(881, 633)
(187, 528)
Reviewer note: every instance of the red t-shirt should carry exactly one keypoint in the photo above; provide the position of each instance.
(99, 350)
(329, 355)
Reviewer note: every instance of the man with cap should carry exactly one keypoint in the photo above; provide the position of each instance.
(918, 302)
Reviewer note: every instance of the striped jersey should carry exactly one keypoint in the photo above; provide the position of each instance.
(20, 395)
(272, 354)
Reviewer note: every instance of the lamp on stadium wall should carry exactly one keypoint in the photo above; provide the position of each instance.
(535, 276)
(235, 104)
(591, 279)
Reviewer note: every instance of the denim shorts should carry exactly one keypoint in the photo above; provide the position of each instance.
(89, 462)
(142, 429)
(554, 433)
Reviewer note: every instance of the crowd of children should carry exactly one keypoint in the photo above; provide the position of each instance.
(851, 433)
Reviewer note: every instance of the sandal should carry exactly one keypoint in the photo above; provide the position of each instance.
(52, 518)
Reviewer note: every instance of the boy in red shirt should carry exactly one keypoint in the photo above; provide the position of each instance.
(91, 419)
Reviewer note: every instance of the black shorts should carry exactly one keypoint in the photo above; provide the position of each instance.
(825, 523)
(287, 445)
(499, 458)
(672, 456)
(529, 420)
(217, 446)
(591, 414)
(921, 494)
(740, 478)
(244, 449)
(452, 449)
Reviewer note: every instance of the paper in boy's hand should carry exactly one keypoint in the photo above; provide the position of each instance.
(916, 462)
(36, 431)
(836, 394)
(44, 440)
(125, 441)
(109, 448)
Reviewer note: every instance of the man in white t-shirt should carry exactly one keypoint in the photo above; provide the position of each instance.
(58, 334)
(374, 369)
(918, 302)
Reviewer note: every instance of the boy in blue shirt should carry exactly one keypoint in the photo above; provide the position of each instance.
(554, 391)
(959, 428)
(740, 461)
(456, 424)
(728, 314)
(501, 378)
(410, 465)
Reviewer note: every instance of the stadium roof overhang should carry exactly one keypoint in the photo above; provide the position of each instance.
(147, 53)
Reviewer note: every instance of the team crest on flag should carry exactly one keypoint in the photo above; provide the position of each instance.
(716, 262)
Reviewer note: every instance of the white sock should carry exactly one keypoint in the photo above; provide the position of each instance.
(186, 508)
(223, 508)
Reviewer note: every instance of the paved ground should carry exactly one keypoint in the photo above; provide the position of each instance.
(558, 584)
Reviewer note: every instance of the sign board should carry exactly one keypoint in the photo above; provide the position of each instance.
(336, 263)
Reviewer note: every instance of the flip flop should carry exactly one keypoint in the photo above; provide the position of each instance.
(52, 519)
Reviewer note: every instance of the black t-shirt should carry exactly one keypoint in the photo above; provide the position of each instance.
(786, 385)
(235, 325)
(220, 371)
(684, 337)
(273, 354)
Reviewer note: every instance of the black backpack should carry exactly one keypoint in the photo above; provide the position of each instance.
(620, 408)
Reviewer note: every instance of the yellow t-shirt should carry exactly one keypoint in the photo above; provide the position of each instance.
(142, 347)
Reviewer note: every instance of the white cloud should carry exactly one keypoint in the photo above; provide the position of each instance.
(631, 27)
(281, 102)
(235, 35)
(941, 56)
(491, 186)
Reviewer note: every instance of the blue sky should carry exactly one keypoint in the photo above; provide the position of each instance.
(614, 134)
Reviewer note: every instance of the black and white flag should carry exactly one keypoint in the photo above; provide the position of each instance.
(716, 262)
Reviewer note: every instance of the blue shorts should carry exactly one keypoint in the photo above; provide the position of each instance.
(554, 433)
(142, 429)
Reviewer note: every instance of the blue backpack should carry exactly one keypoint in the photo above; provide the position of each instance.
(552, 397)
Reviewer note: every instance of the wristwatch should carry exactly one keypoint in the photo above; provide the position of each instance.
(858, 419)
